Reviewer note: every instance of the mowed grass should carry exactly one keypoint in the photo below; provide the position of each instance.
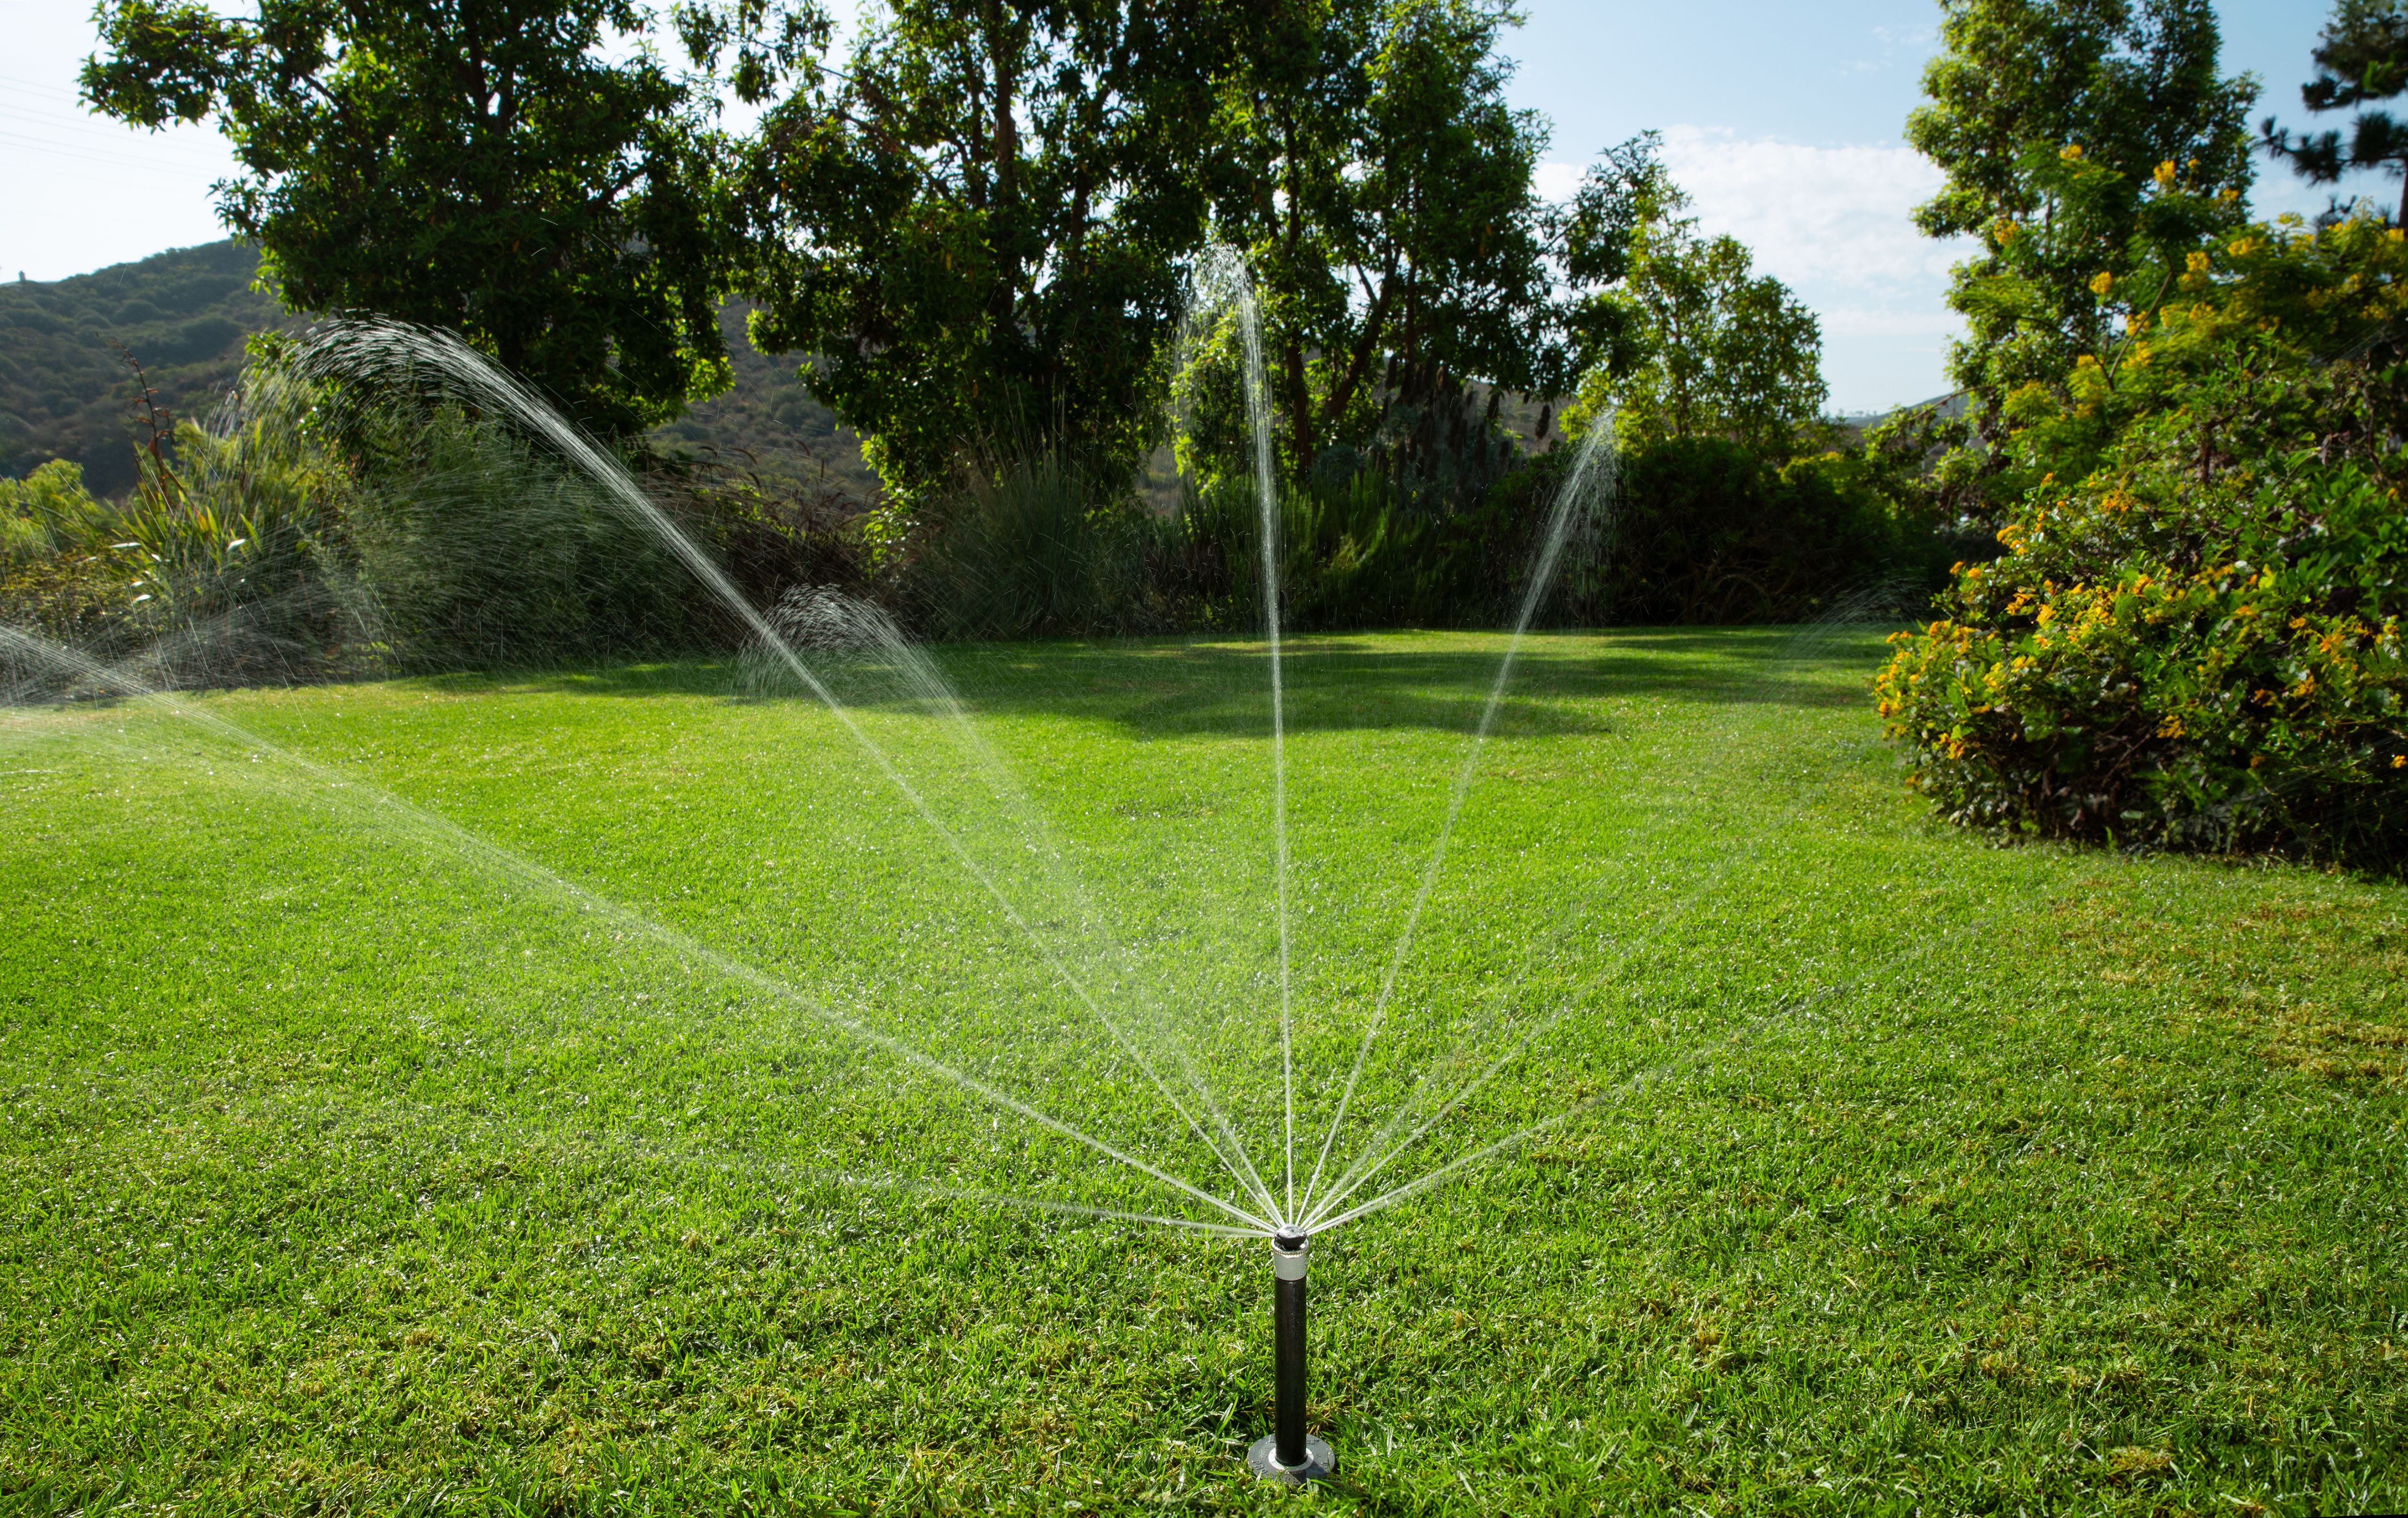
(422, 1096)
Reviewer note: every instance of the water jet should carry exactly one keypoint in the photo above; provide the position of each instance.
(816, 643)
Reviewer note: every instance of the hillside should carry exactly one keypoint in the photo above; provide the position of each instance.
(66, 391)
(769, 422)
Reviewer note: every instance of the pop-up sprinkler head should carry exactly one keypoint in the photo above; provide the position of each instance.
(1289, 1454)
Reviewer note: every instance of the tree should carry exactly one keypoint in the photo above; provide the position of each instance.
(977, 229)
(476, 164)
(1598, 232)
(1696, 343)
(2361, 57)
(1380, 186)
(2077, 136)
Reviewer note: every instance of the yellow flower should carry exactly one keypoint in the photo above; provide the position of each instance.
(2394, 235)
(2070, 152)
(2166, 173)
(2102, 284)
(2198, 261)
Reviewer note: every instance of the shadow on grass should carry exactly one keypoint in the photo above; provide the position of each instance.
(1334, 683)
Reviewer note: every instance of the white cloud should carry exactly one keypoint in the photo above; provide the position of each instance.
(1828, 214)
(1834, 224)
(1556, 181)
(1910, 42)
(1874, 322)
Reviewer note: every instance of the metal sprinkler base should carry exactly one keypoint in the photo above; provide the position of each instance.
(1263, 1460)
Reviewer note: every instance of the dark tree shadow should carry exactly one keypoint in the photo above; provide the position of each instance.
(1168, 687)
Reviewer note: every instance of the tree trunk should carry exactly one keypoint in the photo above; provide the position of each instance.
(1003, 58)
(1299, 401)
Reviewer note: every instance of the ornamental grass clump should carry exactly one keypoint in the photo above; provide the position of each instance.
(2197, 642)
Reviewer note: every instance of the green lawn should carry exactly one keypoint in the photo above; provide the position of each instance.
(442, 1097)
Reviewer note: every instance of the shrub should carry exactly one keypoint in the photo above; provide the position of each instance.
(243, 534)
(59, 574)
(771, 535)
(270, 549)
(474, 549)
(1029, 546)
(2197, 641)
(49, 512)
(1705, 531)
(83, 601)
(208, 571)
(1359, 550)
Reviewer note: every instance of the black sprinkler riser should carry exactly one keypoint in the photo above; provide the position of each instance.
(1290, 1455)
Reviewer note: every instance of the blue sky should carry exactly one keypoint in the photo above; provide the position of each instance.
(1782, 121)
(1785, 123)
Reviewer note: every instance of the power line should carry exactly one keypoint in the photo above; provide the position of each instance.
(38, 87)
(77, 135)
(87, 122)
(106, 160)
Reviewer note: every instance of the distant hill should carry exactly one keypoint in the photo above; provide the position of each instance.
(769, 422)
(65, 391)
(64, 388)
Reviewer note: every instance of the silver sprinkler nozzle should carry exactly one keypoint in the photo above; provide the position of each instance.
(1289, 1454)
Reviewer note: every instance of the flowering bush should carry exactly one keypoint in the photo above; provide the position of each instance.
(2197, 640)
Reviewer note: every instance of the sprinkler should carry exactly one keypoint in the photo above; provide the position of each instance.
(1289, 1454)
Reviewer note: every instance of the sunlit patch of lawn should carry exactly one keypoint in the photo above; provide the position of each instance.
(443, 1095)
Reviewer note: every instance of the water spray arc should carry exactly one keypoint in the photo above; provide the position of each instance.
(371, 355)
(411, 359)
(370, 361)
(1290, 1453)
